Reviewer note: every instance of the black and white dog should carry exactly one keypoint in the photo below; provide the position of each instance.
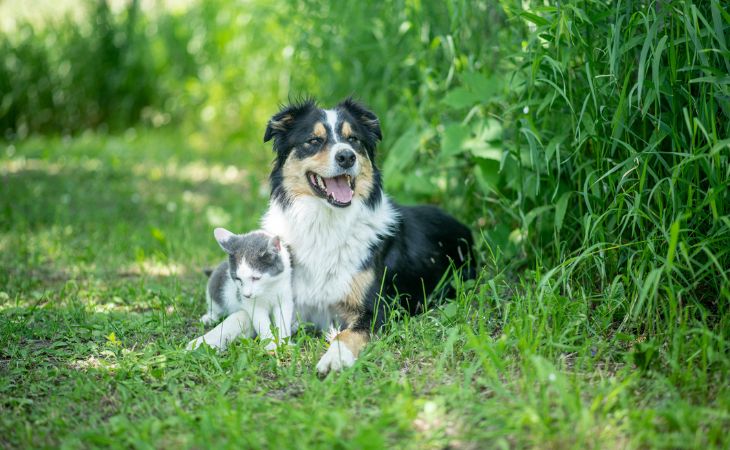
(346, 237)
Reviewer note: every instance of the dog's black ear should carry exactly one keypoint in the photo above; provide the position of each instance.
(283, 121)
(367, 118)
(278, 124)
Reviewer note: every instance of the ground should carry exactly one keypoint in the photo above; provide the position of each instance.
(102, 244)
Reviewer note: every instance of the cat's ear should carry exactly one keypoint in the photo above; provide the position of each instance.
(275, 244)
(223, 237)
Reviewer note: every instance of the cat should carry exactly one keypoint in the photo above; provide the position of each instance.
(252, 287)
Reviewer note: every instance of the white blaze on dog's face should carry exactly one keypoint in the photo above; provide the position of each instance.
(326, 154)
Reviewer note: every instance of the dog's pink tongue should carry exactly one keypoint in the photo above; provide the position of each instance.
(339, 188)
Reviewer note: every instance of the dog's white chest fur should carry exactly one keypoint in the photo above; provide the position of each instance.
(329, 246)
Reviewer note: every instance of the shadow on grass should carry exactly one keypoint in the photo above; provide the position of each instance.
(66, 221)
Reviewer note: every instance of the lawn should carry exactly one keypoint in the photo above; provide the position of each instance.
(102, 244)
(584, 142)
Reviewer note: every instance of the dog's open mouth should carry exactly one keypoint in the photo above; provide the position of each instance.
(338, 191)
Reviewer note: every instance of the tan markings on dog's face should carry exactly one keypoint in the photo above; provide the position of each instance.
(319, 130)
(364, 181)
(351, 306)
(354, 340)
(346, 130)
(294, 171)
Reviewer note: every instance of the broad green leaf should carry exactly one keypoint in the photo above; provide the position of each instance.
(486, 151)
(486, 172)
(560, 208)
(452, 142)
(403, 151)
(534, 18)
(484, 88)
(486, 140)
(460, 98)
(421, 185)
(490, 130)
(532, 215)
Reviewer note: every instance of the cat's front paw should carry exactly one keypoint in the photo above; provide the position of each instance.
(337, 357)
(208, 319)
(197, 342)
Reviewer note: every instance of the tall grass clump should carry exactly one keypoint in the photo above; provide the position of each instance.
(198, 66)
(596, 149)
(624, 130)
(69, 75)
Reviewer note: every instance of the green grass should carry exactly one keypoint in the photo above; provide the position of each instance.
(584, 141)
(102, 241)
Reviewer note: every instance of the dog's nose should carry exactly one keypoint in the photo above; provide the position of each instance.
(345, 158)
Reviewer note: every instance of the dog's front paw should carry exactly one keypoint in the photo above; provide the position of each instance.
(337, 357)
(271, 346)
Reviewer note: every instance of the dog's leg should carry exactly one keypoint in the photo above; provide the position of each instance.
(343, 350)
(283, 315)
(262, 326)
(237, 324)
(363, 312)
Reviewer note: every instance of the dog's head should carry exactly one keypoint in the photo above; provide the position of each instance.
(327, 154)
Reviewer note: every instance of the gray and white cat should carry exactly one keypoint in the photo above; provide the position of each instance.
(251, 288)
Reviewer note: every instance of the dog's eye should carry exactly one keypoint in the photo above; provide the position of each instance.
(314, 141)
(353, 140)
(255, 277)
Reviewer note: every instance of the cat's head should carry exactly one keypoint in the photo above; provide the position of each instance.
(255, 259)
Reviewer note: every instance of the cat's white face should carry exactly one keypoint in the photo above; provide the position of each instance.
(252, 283)
(255, 261)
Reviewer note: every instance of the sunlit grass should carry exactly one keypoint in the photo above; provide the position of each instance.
(585, 142)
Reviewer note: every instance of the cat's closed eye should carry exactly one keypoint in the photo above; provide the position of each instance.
(255, 277)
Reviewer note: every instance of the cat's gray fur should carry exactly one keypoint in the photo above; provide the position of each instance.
(257, 250)
(250, 288)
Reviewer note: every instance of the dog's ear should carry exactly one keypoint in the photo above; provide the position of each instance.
(365, 117)
(282, 122)
(279, 124)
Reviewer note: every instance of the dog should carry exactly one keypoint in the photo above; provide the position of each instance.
(354, 250)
